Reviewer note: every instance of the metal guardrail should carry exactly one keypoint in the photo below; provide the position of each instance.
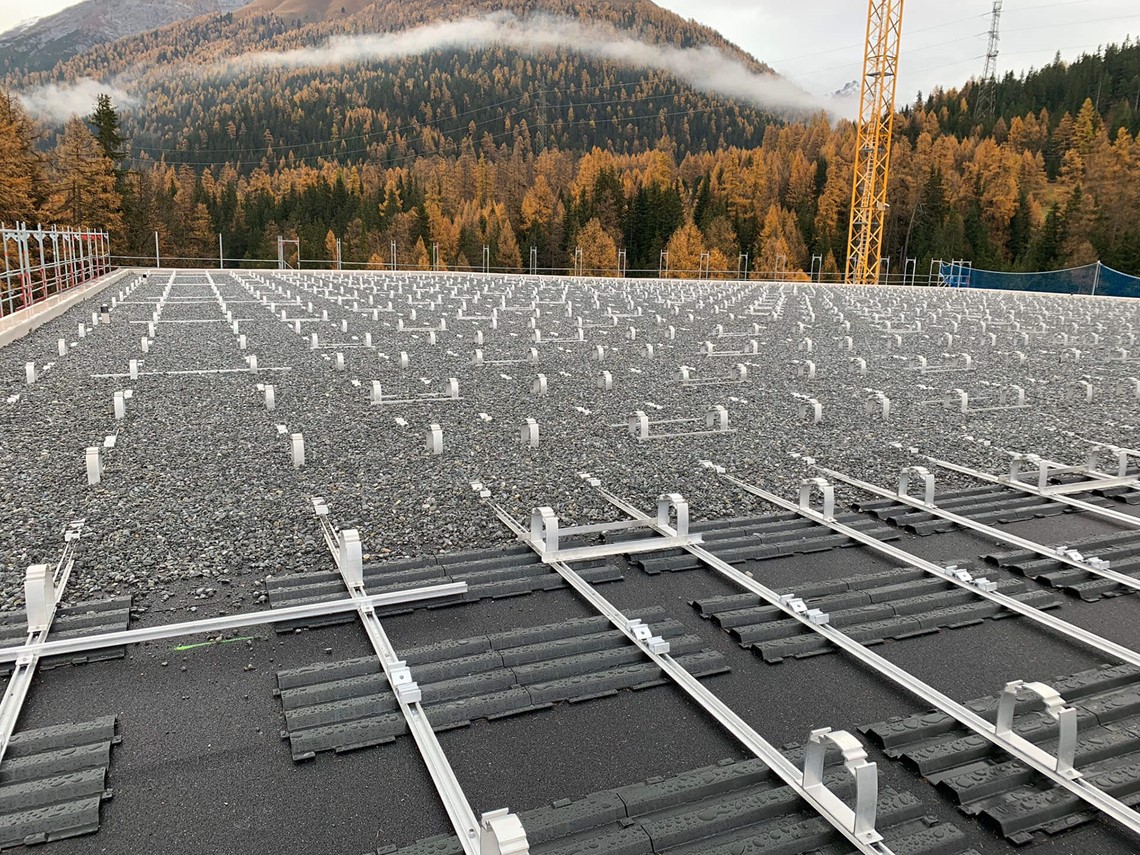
(40, 262)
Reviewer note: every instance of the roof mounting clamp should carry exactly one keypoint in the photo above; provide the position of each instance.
(40, 597)
(860, 821)
(960, 574)
(644, 635)
(673, 511)
(717, 470)
(818, 617)
(406, 689)
(501, 833)
(808, 487)
(1055, 708)
(984, 584)
(351, 557)
(919, 473)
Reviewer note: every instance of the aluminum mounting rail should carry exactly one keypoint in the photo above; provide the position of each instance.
(1005, 481)
(858, 825)
(958, 578)
(212, 626)
(904, 498)
(499, 832)
(1000, 735)
(43, 590)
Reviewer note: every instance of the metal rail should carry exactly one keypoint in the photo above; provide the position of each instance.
(903, 498)
(856, 826)
(212, 626)
(43, 593)
(1001, 736)
(346, 552)
(827, 519)
(1106, 513)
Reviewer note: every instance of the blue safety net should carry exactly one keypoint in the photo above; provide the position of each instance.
(1090, 280)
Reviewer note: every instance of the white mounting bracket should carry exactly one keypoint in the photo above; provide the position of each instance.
(501, 833)
(669, 504)
(922, 474)
(351, 556)
(1055, 708)
(40, 597)
(861, 820)
(434, 443)
(808, 487)
(94, 464)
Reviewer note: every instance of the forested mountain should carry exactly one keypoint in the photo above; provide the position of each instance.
(306, 119)
(1111, 78)
(203, 106)
(44, 42)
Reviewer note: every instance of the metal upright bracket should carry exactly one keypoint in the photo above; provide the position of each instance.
(669, 504)
(878, 401)
(529, 433)
(94, 464)
(434, 439)
(807, 487)
(861, 820)
(639, 425)
(1120, 454)
(1055, 708)
(351, 556)
(544, 529)
(923, 474)
(811, 407)
(501, 833)
(39, 596)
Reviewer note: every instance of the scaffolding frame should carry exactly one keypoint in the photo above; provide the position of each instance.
(40, 262)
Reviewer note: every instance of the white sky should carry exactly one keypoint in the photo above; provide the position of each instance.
(818, 43)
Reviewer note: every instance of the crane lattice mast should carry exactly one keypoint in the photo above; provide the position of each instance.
(873, 144)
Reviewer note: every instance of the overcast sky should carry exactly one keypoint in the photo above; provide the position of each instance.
(818, 43)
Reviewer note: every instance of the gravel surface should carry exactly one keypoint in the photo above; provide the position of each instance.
(199, 500)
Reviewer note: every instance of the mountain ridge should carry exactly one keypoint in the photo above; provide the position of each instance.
(41, 43)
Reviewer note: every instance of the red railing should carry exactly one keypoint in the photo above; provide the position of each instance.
(40, 262)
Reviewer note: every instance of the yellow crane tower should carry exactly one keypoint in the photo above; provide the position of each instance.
(873, 145)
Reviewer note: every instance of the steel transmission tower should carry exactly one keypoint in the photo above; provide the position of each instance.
(987, 96)
(873, 144)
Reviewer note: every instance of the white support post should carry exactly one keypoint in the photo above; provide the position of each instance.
(40, 597)
(94, 464)
(351, 557)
